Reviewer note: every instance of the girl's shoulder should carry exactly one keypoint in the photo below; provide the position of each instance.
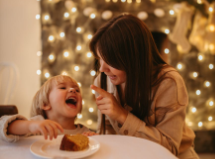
(37, 118)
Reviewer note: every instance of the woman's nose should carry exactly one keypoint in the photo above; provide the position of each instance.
(103, 67)
(72, 90)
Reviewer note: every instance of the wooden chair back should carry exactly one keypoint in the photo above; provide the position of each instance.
(8, 110)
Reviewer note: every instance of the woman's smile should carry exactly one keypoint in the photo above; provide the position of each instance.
(113, 77)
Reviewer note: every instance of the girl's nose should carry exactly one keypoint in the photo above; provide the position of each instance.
(72, 90)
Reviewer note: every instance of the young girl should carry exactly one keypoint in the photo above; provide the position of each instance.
(138, 94)
(54, 109)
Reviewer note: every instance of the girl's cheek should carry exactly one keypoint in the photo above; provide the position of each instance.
(80, 98)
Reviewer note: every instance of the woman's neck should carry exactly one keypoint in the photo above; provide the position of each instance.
(122, 87)
(122, 93)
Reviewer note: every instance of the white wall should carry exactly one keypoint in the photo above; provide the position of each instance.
(19, 42)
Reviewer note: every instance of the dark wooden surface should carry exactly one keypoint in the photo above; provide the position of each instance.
(8, 110)
(205, 141)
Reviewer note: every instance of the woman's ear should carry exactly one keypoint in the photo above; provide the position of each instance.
(46, 107)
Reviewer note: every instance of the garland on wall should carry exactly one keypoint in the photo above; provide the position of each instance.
(199, 5)
(68, 25)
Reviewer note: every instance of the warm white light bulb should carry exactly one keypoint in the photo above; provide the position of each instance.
(66, 54)
(195, 74)
(210, 118)
(38, 16)
(211, 47)
(76, 68)
(194, 109)
(51, 38)
(200, 124)
(51, 57)
(167, 31)
(129, 1)
(46, 17)
(47, 75)
(198, 92)
(89, 36)
(91, 109)
(89, 122)
(64, 73)
(171, 12)
(78, 29)
(92, 16)
(138, 1)
(211, 66)
(123, 1)
(200, 57)
(93, 73)
(207, 83)
(189, 123)
(166, 51)
(66, 14)
(79, 116)
(210, 9)
(211, 28)
(83, 102)
(211, 103)
(179, 66)
(74, 9)
(107, 0)
(78, 47)
(115, 1)
(38, 72)
(93, 91)
(199, 1)
(62, 34)
(89, 54)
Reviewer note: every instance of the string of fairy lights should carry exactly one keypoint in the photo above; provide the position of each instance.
(73, 10)
(207, 85)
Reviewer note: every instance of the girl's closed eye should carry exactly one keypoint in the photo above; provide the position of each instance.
(62, 87)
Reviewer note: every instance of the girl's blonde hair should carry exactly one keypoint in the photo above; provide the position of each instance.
(41, 98)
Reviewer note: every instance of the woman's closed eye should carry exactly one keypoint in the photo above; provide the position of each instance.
(62, 87)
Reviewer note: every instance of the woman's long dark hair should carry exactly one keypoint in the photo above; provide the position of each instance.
(125, 43)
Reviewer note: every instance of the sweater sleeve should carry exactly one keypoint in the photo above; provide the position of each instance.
(4, 122)
(170, 109)
(7, 119)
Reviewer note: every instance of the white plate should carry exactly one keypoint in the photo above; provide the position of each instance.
(51, 149)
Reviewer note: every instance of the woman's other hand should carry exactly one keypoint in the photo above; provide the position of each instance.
(109, 106)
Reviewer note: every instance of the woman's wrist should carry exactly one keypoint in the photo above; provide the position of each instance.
(121, 119)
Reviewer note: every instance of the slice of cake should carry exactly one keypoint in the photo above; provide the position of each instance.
(74, 142)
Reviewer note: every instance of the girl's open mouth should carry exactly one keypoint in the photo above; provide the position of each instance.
(71, 102)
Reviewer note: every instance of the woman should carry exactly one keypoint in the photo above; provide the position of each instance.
(138, 93)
